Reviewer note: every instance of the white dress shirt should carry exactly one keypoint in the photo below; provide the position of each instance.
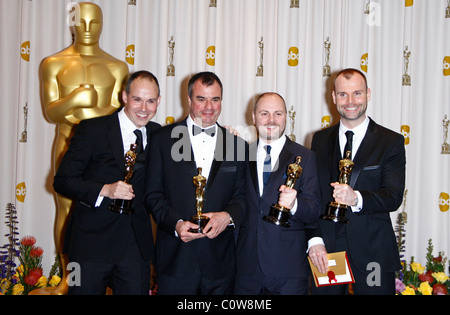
(127, 128)
(276, 147)
(203, 146)
(358, 135)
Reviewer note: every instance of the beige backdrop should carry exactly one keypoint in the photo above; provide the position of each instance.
(384, 38)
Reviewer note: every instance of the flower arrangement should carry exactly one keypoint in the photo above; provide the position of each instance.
(29, 274)
(430, 279)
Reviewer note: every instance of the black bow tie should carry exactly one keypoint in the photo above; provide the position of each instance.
(197, 130)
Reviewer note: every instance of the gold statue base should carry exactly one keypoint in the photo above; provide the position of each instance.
(201, 221)
(278, 215)
(292, 137)
(445, 148)
(260, 71)
(406, 80)
(121, 206)
(171, 71)
(326, 71)
(336, 213)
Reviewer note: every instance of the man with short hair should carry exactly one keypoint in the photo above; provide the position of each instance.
(112, 249)
(376, 186)
(188, 262)
(272, 259)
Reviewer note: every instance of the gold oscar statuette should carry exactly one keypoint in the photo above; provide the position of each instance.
(171, 67)
(292, 114)
(406, 79)
(326, 67)
(120, 205)
(445, 144)
(199, 182)
(260, 69)
(335, 210)
(278, 214)
(23, 139)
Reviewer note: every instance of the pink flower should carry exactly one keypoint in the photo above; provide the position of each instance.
(399, 286)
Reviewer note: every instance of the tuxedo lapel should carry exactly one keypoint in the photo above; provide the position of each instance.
(115, 140)
(335, 153)
(363, 154)
(180, 132)
(223, 145)
(253, 148)
(286, 157)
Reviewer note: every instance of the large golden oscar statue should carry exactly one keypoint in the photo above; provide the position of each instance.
(80, 82)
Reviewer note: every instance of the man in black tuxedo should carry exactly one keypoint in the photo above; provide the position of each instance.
(376, 188)
(186, 262)
(273, 259)
(112, 249)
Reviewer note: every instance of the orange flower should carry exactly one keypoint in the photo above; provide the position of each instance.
(426, 277)
(33, 276)
(36, 252)
(28, 241)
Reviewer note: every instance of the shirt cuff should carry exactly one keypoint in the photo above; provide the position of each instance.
(315, 241)
(294, 208)
(99, 201)
(359, 205)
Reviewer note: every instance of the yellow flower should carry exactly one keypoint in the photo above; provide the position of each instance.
(409, 291)
(42, 282)
(4, 285)
(440, 276)
(19, 269)
(54, 281)
(416, 267)
(425, 288)
(17, 289)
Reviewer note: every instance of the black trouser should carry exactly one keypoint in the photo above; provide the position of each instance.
(130, 276)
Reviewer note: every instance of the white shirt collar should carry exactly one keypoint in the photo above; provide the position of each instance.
(127, 127)
(276, 145)
(358, 135)
(127, 124)
(359, 130)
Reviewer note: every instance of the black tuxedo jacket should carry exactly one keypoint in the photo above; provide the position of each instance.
(170, 196)
(95, 157)
(279, 251)
(379, 175)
